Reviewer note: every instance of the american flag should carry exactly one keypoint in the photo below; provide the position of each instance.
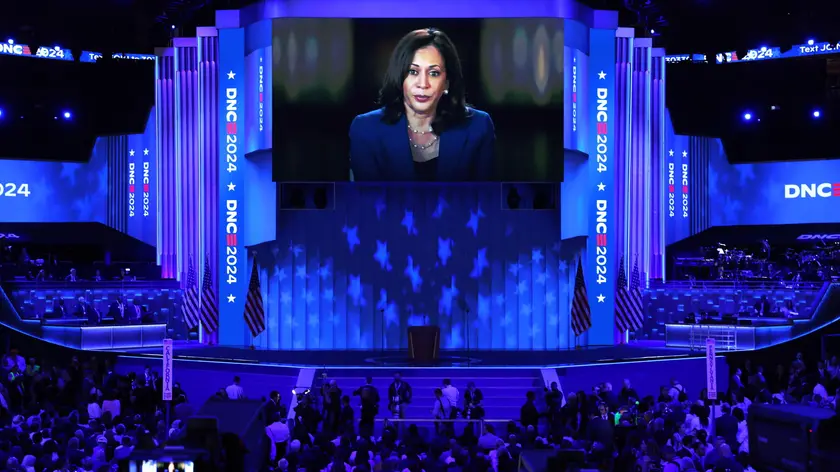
(629, 312)
(209, 305)
(254, 308)
(581, 313)
(190, 307)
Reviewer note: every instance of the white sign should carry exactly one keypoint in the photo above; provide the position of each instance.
(167, 370)
(711, 369)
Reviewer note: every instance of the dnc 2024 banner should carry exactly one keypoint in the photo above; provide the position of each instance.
(773, 193)
(142, 184)
(233, 258)
(601, 251)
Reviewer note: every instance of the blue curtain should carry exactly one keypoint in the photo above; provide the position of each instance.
(387, 258)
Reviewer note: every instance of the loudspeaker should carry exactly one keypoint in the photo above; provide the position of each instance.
(538, 460)
(793, 437)
(203, 433)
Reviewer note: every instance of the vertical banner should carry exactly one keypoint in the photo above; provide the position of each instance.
(149, 181)
(233, 260)
(135, 219)
(258, 97)
(142, 179)
(711, 369)
(601, 254)
(684, 186)
(676, 184)
(575, 134)
(167, 370)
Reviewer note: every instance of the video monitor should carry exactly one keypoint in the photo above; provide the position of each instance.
(441, 100)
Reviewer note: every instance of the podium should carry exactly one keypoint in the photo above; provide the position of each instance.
(424, 344)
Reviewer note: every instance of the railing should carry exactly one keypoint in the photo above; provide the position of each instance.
(732, 284)
(88, 284)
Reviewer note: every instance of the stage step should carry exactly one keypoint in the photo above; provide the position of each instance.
(504, 390)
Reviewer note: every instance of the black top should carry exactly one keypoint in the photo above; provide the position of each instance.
(426, 171)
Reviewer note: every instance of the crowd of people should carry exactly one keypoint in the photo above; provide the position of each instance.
(82, 416)
(678, 431)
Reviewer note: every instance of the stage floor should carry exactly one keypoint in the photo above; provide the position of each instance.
(633, 352)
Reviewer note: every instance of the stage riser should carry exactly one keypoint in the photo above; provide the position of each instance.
(504, 395)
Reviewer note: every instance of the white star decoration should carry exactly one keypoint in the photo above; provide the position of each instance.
(602, 75)
(231, 75)
(145, 152)
(671, 153)
(231, 299)
(601, 298)
(685, 153)
(231, 187)
(131, 153)
(601, 187)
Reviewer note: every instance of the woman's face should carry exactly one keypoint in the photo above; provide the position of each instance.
(426, 81)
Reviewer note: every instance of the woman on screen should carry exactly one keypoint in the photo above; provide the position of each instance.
(424, 131)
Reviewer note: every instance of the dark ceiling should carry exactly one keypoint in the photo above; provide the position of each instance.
(682, 26)
(106, 25)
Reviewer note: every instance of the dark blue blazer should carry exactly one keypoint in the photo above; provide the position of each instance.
(381, 152)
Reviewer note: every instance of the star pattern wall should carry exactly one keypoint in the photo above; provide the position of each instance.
(392, 257)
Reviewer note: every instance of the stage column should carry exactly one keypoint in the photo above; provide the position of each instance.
(168, 198)
(208, 154)
(657, 202)
(232, 254)
(624, 142)
(186, 151)
(602, 258)
(638, 168)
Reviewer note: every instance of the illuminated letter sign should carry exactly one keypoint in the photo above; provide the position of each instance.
(601, 256)
(233, 280)
(132, 184)
(823, 190)
(684, 182)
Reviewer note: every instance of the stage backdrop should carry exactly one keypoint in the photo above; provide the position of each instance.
(390, 257)
(773, 193)
(55, 192)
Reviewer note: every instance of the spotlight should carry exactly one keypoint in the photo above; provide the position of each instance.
(810, 42)
(67, 115)
(1, 113)
(652, 31)
(816, 113)
(748, 116)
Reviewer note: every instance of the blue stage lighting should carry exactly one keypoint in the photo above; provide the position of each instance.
(1, 113)
(67, 115)
(810, 42)
(816, 113)
(747, 116)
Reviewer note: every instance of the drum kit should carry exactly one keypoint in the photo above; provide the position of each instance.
(720, 262)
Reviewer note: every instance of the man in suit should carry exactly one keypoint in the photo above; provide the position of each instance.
(273, 406)
(135, 314)
(727, 426)
(601, 428)
(72, 276)
(399, 395)
(762, 308)
(628, 394)
(85, 311)
(118, 311)
(59, 310)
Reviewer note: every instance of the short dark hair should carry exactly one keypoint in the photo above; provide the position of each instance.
(452, 108)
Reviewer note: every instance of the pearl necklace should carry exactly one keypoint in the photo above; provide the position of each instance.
(421, 147)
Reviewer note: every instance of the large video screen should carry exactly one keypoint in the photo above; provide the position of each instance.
(773, 193)
(377, 100)
(54, 192)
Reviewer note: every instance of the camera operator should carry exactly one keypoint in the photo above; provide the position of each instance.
(306, 416)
